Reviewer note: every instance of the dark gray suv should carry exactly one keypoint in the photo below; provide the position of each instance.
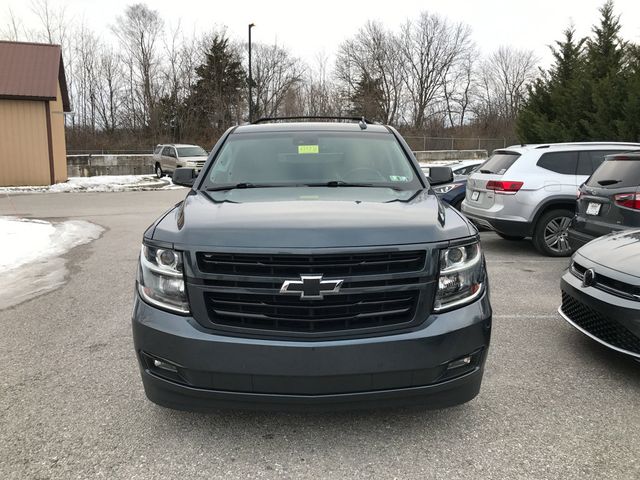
(608, 201)
(310, 266)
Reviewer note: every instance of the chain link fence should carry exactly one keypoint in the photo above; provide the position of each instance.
(424, 143)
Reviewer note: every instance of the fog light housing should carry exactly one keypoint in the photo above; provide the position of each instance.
(462, 362)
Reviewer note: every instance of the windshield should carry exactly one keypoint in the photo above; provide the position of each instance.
(313, 158)
(192, 152)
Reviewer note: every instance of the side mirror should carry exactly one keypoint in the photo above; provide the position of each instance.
(440, 175)
(185, 177)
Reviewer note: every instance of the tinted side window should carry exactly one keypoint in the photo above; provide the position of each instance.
(592, 159)
(565, 163)
(616, 174)
(157, 150)
(166, 151)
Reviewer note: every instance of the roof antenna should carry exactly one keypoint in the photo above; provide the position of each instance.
(363, 123)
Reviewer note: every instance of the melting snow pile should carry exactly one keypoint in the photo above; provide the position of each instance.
(29, 255)
(100, 183)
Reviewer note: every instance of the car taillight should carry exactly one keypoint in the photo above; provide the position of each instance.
(504, 187)
(629, 200)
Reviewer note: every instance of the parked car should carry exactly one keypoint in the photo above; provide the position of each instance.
(168, 157)
(530, 190)
(453, 193)
(609, 200)
(311, 266)
(601, 291)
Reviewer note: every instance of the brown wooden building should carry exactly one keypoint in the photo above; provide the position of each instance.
(33, 99)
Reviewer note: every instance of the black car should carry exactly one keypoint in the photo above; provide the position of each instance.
(609, 201)
(601, 291)
(311, 266)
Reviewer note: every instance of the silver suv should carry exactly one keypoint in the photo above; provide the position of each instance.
(530, 190)
(168, 157)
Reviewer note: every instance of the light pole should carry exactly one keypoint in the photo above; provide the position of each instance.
(251, 25)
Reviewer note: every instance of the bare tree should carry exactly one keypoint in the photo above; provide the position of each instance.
(139, 32)
(13, 30)
(108, 97)
(275, 73)
(504, 77)
(460, 89)
(430, 47)
(373, 55)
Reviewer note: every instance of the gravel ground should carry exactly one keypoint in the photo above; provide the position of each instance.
(553, 403)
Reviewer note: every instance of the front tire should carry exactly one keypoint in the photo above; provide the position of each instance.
(551, 235)
(159, 172)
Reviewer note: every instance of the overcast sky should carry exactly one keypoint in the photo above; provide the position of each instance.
(313, 26)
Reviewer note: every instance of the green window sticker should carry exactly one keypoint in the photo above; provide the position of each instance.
(398, 178)
(305, 149)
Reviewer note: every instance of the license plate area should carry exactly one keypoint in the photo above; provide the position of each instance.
(593, 208)
(475, 195)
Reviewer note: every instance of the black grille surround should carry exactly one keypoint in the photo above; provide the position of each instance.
(381, 291)
(607, 284)
(603, 328)
(334, 312)
(340, 265)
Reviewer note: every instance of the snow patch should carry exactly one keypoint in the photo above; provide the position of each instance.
(29, 251)
(100, 183)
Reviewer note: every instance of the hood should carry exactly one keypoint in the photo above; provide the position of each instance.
(299, 218)
(201, 158)
(618, 251)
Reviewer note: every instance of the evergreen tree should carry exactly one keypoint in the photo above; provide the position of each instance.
(216, 99)
(552, 110)
(607, 78)
(367, 99)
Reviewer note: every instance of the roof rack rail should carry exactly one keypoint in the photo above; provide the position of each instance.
(363, 121)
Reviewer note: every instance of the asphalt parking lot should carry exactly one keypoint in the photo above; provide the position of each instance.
(553, 403)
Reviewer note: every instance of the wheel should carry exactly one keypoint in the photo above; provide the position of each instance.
(550, 236)
(510, 237)
(159, 172)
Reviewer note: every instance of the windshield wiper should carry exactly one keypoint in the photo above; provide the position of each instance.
(234, 186)
(482, 170)
(341, 183)
(604, 183)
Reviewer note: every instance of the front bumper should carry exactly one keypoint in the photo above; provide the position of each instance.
(606, 318)
(220, 371)
(506, 227)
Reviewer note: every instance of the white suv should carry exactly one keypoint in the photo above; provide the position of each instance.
(168, 157)
(530, 190)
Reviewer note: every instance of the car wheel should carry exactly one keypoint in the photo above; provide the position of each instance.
(159, 172)
(510, 237)
(551, 235)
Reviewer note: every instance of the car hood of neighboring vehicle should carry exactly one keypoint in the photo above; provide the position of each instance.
(618, 251)
(300, 218)
(200, 158)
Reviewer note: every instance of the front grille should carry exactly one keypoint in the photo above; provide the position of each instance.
(607, 284)
(293, 265)
(333, 313)
(598, 325)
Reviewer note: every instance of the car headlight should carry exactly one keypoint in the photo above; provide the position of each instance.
(161, 279)
(446, 188)
(461, 276)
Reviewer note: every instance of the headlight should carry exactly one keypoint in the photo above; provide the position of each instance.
(160, 279)
(446, 188)
(461, 276)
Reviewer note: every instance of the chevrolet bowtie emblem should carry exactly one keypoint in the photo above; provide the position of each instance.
(310, 287)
